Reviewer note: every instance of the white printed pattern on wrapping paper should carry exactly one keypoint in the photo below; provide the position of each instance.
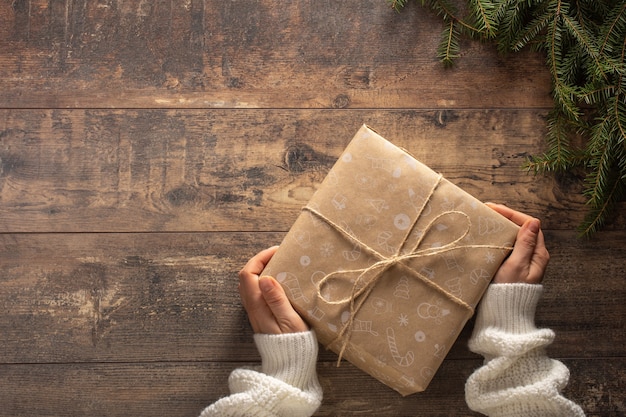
(490, 258)
(326, 292)
(428, 312)
(303, 238)
(428, 272)
(355, 253)
(487, 226)
(352, 255)
(402, 288)
(383, 239)
(479, 274)
(378, 204)
(447, 205)
(387, 165)
(402, 221)
(316, 313)
(364, 182)
(290, 281)
(317, 222)
(454, 287)
(440, 351)
(420, 336)
(327, 249)
(417, 201)
(366, 221)
(362, 326)
(339, 201)
(405, 360)
(451, 262)
(381, 163)
(380, 305)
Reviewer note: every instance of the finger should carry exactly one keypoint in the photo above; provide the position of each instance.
(526, 242)
(540, 261)
(257, 263)
(249, 274)
(515, 216)
(288, 320)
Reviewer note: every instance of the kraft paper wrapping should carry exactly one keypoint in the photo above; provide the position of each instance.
(388, 260)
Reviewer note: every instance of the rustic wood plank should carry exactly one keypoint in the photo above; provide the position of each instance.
(99, 319)
(587, 275)
(183, 389)
(269, 54)
(248, 170)
(154, 297)
(94, 297)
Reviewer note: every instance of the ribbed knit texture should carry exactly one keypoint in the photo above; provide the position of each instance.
(292, 359)
(285, 385)
(517, 378)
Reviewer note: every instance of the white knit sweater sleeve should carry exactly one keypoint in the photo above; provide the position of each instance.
(285, 385)
(517, 379)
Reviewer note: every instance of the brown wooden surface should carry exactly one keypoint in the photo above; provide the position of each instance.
(148, 149)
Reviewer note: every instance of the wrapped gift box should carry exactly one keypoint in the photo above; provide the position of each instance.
(388, 261)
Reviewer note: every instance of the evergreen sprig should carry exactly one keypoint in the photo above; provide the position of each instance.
(584, 42)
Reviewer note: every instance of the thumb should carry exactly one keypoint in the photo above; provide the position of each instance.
(524, 247)
(288, 320)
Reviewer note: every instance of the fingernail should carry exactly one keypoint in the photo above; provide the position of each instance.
(534, 226)
(265, 283)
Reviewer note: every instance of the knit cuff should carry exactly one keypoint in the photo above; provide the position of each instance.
(290, 357)
(509, 308)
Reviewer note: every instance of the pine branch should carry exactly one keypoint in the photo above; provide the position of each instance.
(449, 49)
(509, 15)
(619, 112)
(397, 5)
(606, 182)
(449, 12)
(584, 43)
(560, 156)
(585, 40)
(532, 30)
(596, 218)
(616, 25)
(482, 17)
(602, 159)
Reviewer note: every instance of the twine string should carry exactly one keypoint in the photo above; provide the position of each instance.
(360, 292)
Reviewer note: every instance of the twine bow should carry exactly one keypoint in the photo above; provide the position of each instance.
(360, 292)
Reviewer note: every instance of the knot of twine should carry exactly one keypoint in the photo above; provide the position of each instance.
(360, 293)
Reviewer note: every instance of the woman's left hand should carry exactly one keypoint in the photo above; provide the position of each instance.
(265, 301)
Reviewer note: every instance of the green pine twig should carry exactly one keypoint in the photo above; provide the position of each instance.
(585, 45)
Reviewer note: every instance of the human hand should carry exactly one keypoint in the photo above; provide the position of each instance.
(527, 263)
(265, 301)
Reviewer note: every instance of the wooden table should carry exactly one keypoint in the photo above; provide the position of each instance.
(149, 148)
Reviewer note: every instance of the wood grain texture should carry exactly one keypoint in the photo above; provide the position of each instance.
(184, 389)
(265, 54)
(149, 148)
(222, 170)
(173, 296)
